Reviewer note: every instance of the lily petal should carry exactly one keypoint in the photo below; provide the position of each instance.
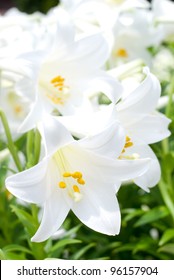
(152, 176)
(30, 185)
(109, 142)
(54, 214)
(142, 100)
(151, 129)
(108, 85)
(54, 134)
(108, 170)
(99, 210)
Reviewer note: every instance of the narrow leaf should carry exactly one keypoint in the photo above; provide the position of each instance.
(155, 214)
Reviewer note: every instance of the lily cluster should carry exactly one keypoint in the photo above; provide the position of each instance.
(81, 75)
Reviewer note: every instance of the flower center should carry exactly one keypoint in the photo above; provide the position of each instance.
(58, 82)
(121, 53)
(15, 104)
(59, 92)
(128, 144)
(18, 109)
(73, 187)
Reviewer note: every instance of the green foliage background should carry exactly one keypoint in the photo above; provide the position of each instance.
(30, 6)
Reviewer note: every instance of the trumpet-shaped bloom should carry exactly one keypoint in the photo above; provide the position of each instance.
(77, 175)
(136, 113)
(62, 73)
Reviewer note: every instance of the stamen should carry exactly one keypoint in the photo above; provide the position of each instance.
(72, 180)
(18, 109)
(62, 185)
(58, 82)
(122, 53)
(81, 181)
(55, 99)
(67, 174)
(128, 139)
(77, 175)
(57, 79)
(76, 189)
(128, 144)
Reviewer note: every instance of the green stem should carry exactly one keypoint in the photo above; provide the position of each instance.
(33, 147)
(37, 146)
(166, 186)
(166, 197)
(170, 101)
(11, 145)
(29, 148)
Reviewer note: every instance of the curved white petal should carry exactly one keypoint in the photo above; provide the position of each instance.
(91, 51)
(99, 209)
(30, 185)
(33, 118)
(109, 142)
(65, 31)
(106, 84)
(86, 122)
(150, 129)
(152, 175)
(141, 101)
(54, 134)
(54, 214)
(105, 169)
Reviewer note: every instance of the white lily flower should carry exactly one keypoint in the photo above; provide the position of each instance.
(133, 33)
(75, 176)
(62, 74)
(15, 106)
(163, 63)
(20, 32)
(136, 113)
(163, 14)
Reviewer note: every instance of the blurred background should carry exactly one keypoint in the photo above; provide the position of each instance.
(29, 6)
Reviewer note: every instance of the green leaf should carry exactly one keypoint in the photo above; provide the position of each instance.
(169, 248)
(26, 219)
(155, 214)
(15, 247)
(2, 255)
(63, 243)
(167, 235)
(81, 252)
(13, 256)
(168, 162)
(145, 244)
(133, 214)
(72, 231)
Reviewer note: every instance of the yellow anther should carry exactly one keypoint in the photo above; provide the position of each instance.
(57, 79)
(18, 109)
(123, 151)
(128, 139)
(128, 144)
(81, 181)
(62, 185)
(55, 99)
(67, 174)
(121, 53)
(77, 175)
(76, 189)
